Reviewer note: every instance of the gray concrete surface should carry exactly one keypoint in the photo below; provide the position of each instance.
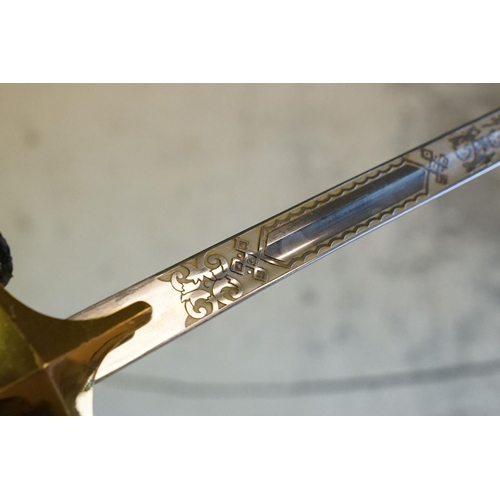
(104, 185)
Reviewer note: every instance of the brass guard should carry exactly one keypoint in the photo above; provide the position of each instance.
(47, 364)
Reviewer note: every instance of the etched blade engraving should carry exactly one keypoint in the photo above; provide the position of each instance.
(200, 287)
(205, 287)
(329, 221)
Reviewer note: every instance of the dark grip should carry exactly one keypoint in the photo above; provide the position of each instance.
(6, 266)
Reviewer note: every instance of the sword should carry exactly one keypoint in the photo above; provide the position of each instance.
(49, 366)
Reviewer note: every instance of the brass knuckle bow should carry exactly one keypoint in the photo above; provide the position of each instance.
(48, 364)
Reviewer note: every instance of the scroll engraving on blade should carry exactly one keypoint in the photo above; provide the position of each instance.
(239, 266)
(204, 285)
(474, 150)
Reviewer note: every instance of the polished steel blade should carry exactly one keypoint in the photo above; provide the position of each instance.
(195, 290)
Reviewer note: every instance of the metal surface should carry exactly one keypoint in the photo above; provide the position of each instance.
(47, 364)
(200, 287)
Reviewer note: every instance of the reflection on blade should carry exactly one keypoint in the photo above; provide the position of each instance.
(200, 287)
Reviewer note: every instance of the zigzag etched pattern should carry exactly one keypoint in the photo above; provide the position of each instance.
(330, 195)
(344, 212)
(357, 230)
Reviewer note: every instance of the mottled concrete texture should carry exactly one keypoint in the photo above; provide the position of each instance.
(104, 185)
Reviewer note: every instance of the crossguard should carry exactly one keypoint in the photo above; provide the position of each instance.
(47, 364)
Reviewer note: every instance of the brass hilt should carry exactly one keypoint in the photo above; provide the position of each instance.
(47, 364)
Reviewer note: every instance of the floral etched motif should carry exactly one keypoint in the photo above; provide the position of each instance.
(493, 131)
(205, 287)
(474, 150)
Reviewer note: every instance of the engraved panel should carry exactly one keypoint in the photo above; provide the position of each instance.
(332, 220)
(239, 266)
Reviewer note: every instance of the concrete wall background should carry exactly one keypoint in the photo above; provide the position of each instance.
(103, 185)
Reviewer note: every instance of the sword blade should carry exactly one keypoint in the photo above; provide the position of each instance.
(200, 287)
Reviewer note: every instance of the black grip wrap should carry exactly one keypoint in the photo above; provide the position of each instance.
(6, 266)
